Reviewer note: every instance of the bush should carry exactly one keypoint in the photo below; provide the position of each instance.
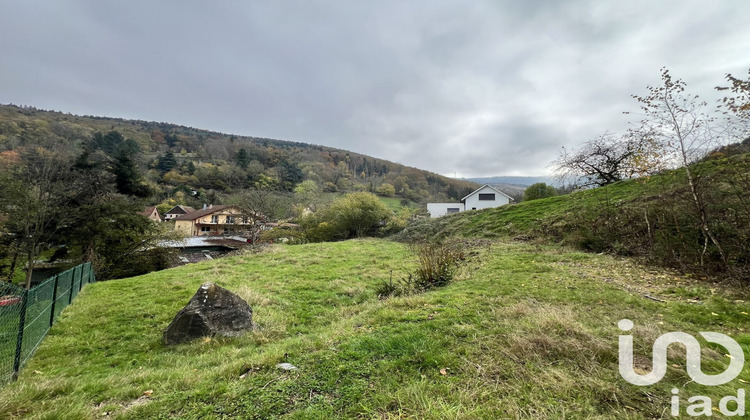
(437, 264)
(386, 189)
(352, 215)
(437, 267)
(538, 190)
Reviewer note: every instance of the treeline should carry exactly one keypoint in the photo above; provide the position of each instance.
(59, 204)
(176, 158)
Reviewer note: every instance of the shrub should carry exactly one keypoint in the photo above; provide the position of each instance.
(352, 215)
(437, 264)
(537, 191)
(386, 189)
(437, 267)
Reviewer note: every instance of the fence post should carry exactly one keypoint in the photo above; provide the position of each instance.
(54, 299)
(19, 341)
(72, 283)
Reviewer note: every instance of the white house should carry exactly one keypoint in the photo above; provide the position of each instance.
(484, 197)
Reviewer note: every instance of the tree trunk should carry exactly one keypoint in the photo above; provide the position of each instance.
(30, 265)
(12, 269)
(703, 214)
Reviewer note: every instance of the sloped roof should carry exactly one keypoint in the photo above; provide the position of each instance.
(200, 213)
(184, 209)
(149, 210)
(489, 186)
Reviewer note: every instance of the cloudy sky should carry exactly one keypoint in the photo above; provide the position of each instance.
(474, 88)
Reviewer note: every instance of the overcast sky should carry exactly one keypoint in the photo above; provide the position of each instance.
(475, 88)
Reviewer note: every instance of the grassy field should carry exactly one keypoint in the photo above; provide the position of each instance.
(394, 203)
(526, 331)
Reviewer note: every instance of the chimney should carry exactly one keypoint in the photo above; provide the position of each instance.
(204, 206)
(210, 206)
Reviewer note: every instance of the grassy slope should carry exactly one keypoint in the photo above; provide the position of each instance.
(556, 217)
(533, 217)
(525, 332)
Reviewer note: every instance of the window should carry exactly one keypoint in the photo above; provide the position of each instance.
(473, 208)
(205, 228)
(453, 210)
(214, 219)
(230, 219)
(486, 197)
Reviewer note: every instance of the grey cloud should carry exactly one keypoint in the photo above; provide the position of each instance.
(476, 88)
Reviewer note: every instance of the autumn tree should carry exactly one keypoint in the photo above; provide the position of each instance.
(35, 194)
(681, 125)
(352, 215)
(386, 189)
(736, 107)
(609, 158)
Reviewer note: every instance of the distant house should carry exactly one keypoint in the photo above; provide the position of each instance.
(177, 211)
(484, 197)
(218, 221)
(152, 213)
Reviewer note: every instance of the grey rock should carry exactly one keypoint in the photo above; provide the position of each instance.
(286, 366)
(212, 311)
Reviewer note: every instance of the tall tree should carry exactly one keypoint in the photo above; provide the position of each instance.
(242, 158)
(35, 195)
(167, 162)
(680, 123)
(127, 174)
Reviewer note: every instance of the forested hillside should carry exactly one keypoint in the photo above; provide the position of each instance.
(217, 164)
(72, 188)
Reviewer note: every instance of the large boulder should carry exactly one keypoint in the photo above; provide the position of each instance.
(212, 311)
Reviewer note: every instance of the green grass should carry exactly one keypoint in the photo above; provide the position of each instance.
(654, 218)
(394, 203)
(536, 216)
(525, 331)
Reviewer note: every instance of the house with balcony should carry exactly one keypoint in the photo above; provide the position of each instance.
(223, 220)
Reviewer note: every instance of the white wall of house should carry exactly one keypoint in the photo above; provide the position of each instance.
(441, 209)
(485, 198)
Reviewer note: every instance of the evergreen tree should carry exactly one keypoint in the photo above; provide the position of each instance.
(127, 175)
(167, 162)
(290, 175)
(242, 158)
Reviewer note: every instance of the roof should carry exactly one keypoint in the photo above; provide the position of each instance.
(149, 211)
(183, 209)
(488, 186)
(200, 213)
(205, 241)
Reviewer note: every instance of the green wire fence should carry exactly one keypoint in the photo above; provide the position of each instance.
(27, 315)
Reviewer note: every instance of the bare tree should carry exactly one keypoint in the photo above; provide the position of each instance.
(609, 158)
(262, 204)
(736, 107)
(39, 188)
(681, 125)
